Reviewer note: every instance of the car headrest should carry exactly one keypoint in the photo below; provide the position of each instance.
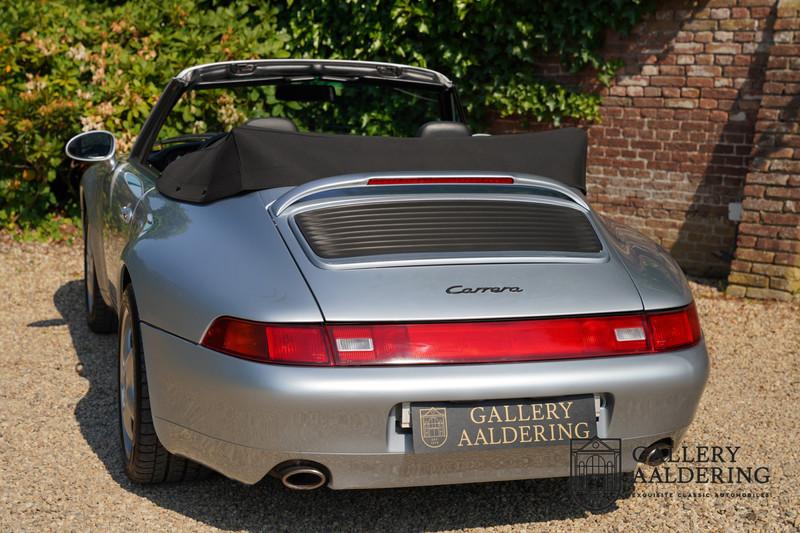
(273, 124)
(441, 128)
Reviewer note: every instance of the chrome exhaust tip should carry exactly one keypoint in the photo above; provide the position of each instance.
(656, 453)
(302, 477)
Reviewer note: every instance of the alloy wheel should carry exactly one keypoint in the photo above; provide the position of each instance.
(127, 383)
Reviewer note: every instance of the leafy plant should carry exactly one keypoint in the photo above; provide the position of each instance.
(490, 47)
(68, 65)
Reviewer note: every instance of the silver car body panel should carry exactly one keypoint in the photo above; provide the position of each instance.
(240, 257)
(192, 263)
(211, 267)
(658, 277)
(396, 288)
(345, 418)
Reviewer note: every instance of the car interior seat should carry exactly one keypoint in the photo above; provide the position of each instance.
(441, 128)
(273, 124)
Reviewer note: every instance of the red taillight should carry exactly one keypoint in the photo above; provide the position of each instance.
(268, 343)
(297, 344)
(237, 337)
(455, 342)
(426, 181)
(674, 329)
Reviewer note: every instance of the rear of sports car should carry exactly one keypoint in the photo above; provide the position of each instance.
(471, 328)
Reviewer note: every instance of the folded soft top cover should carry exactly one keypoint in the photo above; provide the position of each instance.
(250, 158)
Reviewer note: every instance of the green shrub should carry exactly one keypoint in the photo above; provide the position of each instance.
(489, 48)
(68, 65)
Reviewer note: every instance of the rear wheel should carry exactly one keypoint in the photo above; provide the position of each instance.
(146, 459)
(100, 317)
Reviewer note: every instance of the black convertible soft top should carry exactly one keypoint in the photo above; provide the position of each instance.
(250, 158)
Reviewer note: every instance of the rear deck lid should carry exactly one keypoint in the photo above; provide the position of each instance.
(466, 251)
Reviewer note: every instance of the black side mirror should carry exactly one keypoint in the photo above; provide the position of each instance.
(91, 146)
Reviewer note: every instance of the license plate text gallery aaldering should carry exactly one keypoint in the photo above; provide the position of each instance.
(502, 424)
(523, 423)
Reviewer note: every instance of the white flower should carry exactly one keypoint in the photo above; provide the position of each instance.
(91, 123)
(78, 53)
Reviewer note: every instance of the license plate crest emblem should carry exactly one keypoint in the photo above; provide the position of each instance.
(433, 426)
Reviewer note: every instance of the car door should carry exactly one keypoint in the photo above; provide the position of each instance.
(128, 185)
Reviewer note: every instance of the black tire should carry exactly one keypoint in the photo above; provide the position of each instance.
(100, 317)
(145, 458)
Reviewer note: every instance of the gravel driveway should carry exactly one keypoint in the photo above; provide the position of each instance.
(61, 468)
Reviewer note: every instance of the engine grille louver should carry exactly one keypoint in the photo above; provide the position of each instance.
(348, 231)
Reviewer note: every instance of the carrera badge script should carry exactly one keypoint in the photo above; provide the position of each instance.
(460, 289)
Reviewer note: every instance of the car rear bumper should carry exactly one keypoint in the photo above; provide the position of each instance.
(243, 418)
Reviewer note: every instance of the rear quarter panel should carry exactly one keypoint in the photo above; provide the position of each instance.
(657, 276)
(192, 263)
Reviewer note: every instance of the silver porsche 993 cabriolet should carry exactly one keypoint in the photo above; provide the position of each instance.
(342, 285)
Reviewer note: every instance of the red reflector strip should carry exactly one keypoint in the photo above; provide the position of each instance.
(455, 342)
(241, 338)
(473, 342)
(419, 181)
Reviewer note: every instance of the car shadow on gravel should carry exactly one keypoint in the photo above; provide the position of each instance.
(229, 505)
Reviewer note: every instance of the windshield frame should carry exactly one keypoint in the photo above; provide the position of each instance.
(272, 72)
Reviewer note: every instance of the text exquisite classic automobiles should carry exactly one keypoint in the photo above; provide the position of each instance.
(347, 288)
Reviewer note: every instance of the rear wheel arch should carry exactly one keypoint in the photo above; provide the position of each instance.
(93, 235)
(124, 281)
(124, 278)
(100, 317)
(145, 459)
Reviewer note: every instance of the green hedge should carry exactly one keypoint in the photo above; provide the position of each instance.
(488, 47)
(71, 65)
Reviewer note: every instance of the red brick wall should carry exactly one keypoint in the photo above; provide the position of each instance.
(674, 144)
(701, 83)
(767, 263)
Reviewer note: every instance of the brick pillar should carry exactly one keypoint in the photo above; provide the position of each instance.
(767, 259)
